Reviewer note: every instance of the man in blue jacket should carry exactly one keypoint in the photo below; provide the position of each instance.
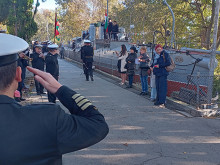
(40, 134)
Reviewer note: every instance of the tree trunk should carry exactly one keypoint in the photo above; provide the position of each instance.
(203, 34)
(16, 26)
(218, 37)
(209, 29)
(35, 10)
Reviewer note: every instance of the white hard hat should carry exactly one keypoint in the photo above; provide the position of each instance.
(9, 47)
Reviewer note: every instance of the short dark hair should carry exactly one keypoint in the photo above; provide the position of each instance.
(7, 74)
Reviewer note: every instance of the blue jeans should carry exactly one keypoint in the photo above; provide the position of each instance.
(144, 83)
(131, 78)
(153, 93)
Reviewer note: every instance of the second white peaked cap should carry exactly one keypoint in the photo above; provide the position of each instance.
(39, 46)
(10, 44)
(53, 46)
(87, 41)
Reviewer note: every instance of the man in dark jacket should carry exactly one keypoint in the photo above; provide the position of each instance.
(84, 35)
(38, 63)
(115, 31)
(52, 67)
(130, 65)
(110, 28)
(87, 59)
(23, 63)
(40, 134)
(87, 35)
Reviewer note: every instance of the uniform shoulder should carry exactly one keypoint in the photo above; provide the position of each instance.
(46, 108)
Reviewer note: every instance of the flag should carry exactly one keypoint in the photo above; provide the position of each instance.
(106, 21)
(57, 25)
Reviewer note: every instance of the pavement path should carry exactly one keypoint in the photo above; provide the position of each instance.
(140, 133)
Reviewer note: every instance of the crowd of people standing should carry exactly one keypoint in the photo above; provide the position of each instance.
(112, 30)
(155, 68)
(39, 58)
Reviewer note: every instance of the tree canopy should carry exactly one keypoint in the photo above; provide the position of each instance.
(18, 16)
(194, 19)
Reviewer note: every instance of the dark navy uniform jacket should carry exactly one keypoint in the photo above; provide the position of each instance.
(87, 53)
(37, 61)
(52, 65)
(40, 134)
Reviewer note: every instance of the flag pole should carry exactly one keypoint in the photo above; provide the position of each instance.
(55, 25)
(107, 8)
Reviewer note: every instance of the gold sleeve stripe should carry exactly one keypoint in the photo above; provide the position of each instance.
(75, 96)
(79, 99)
(82, 102)
(86, 106)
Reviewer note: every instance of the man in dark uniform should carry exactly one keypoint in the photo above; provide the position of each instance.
(115, 31)
(52, 67)
(62, 51)
(22, 63)
(40, 134)
(87, 59)
(73, 45)
(38, 63)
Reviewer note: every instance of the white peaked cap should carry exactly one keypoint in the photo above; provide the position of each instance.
(10, 44)
(53, 46)
(87, 41)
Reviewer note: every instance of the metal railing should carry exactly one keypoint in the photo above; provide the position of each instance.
(191, 89)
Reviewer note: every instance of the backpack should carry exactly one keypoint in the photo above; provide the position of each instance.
(172, 66)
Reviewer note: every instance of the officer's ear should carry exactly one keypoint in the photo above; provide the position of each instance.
(18, 74)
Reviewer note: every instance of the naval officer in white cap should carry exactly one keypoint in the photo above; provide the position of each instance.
(87, 59)
(38, 63)
(52, 67)
(40, 134)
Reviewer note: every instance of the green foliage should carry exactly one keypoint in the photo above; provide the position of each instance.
(4, 12)
(193, 25)
(19, 19)
(76, 16)
(45, 24)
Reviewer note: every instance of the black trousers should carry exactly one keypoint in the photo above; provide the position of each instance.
(51, 96)
(87, 67)
(115, 36)
(39, 87)
(20, 86)
(62, 55)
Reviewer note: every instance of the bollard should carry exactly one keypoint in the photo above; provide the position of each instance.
(112, 65)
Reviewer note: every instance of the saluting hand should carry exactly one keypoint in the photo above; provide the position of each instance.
(41, 55)
(46, 79)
